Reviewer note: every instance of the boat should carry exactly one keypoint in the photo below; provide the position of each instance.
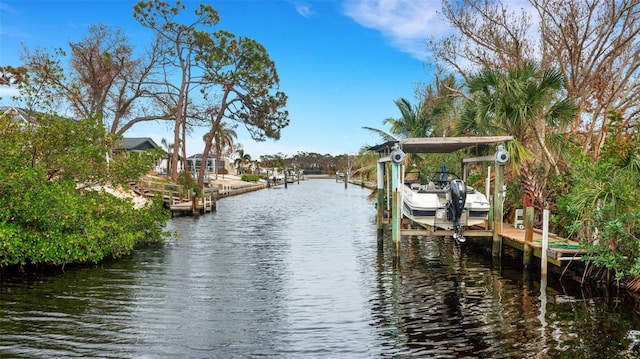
(444, 202)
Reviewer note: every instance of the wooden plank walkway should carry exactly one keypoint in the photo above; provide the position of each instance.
(204, 205)
(560, 250)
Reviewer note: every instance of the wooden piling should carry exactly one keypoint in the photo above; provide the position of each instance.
(498, 199)
(528, 236)
(380, 200)
(545, 243)
(396, 204)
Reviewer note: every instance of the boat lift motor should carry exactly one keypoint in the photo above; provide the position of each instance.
(455, 207)
(397, 156)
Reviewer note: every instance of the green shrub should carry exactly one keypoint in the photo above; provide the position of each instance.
(49, 216)
(250, 177)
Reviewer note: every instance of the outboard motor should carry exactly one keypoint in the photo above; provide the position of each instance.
(458, 190)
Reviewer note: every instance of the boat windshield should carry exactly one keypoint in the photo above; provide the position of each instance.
(443, 177)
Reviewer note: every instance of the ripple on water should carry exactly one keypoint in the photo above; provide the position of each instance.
(297, 272)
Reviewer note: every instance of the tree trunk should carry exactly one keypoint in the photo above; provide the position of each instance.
(183, 146)
(547, 154)
(205, 157)
(175, 156)
(216, 119)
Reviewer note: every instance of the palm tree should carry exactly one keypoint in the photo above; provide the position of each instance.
(169, 149)
(529, 104)
(414, 122)
(223, 137)
(441, 104)
(242, 159)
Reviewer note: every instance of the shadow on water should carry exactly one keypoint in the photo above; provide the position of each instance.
(437, 300)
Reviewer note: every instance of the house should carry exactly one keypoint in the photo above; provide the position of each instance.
(20, 115)
(17, 114)
(138, 144)
(142, 144)
(213, 163)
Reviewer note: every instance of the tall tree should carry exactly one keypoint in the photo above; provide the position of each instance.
(594, 44)
(104, 78)
(249, 87)
(180, 76)
(234, 76)
(529, 104)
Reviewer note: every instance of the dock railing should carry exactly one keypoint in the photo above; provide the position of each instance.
(170, 193)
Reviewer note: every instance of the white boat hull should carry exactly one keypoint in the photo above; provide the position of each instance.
(428, 207)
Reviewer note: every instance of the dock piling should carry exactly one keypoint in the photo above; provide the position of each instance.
(498, 200)
(545, 243)
(528, 236)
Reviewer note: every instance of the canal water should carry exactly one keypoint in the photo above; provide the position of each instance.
(297, 273)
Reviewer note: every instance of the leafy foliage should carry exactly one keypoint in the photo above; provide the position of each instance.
(49, 215)
(250, 177)
(221, 76)
(600, 207)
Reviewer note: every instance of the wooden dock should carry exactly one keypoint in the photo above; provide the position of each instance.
(202, 206)
(560, 250)
(208, 202)
(180, 201)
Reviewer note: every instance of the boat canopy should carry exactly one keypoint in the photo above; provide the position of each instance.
(438, 144)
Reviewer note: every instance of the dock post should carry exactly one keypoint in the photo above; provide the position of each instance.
(195, 211)
(498, 199)
(380, 200)
(487, 184)
(545, 243)
(396, 200)
(528, 236)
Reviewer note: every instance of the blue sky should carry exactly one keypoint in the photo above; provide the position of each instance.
(341, 63)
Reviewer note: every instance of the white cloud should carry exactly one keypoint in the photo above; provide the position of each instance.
(7, 10)
(407, 24)
(303, 8)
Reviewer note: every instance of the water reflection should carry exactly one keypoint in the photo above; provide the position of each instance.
(438, 301)
(66, 315)
(298, 273)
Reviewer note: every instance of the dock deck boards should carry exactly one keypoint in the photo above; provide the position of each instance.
(560, 249)
(186, 207)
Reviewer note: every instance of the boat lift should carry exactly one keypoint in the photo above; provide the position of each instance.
(393, 152)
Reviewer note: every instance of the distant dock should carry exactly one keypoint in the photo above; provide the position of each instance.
(208, 202)
(181, 202)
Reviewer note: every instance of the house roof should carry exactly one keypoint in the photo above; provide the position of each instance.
(138, 143)
(438, 144)
(17, 114)
(21, 115)
(198, 156)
